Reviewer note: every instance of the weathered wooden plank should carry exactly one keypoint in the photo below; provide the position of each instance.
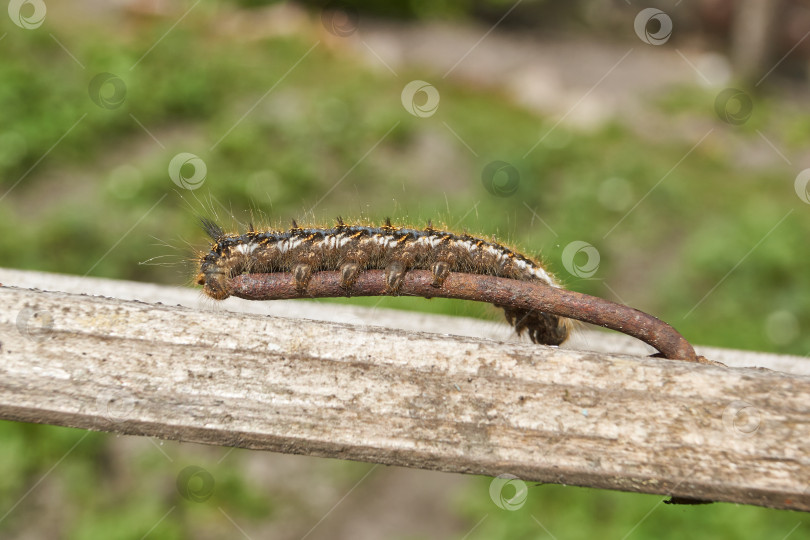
(584, 338)
(415, 399)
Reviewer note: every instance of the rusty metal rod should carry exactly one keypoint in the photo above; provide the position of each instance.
(519, 294)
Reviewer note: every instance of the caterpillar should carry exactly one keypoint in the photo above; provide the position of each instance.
(352, 249)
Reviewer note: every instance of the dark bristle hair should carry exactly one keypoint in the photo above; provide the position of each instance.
(211, 229)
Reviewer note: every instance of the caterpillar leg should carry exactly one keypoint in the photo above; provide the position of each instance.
(440, 271)
(304, 266)
(350, 267)
(396, 270)
(302, 274)
(348, 274)
(542, 327)
(394, 274)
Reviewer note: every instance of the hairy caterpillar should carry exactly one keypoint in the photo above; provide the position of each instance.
(352, 249)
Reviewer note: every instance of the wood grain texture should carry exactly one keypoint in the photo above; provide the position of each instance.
(421, 400)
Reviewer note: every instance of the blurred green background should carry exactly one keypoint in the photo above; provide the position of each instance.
(689, 195)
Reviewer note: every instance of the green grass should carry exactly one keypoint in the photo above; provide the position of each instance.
(106, 174)
(582, 514)
(703, 237)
